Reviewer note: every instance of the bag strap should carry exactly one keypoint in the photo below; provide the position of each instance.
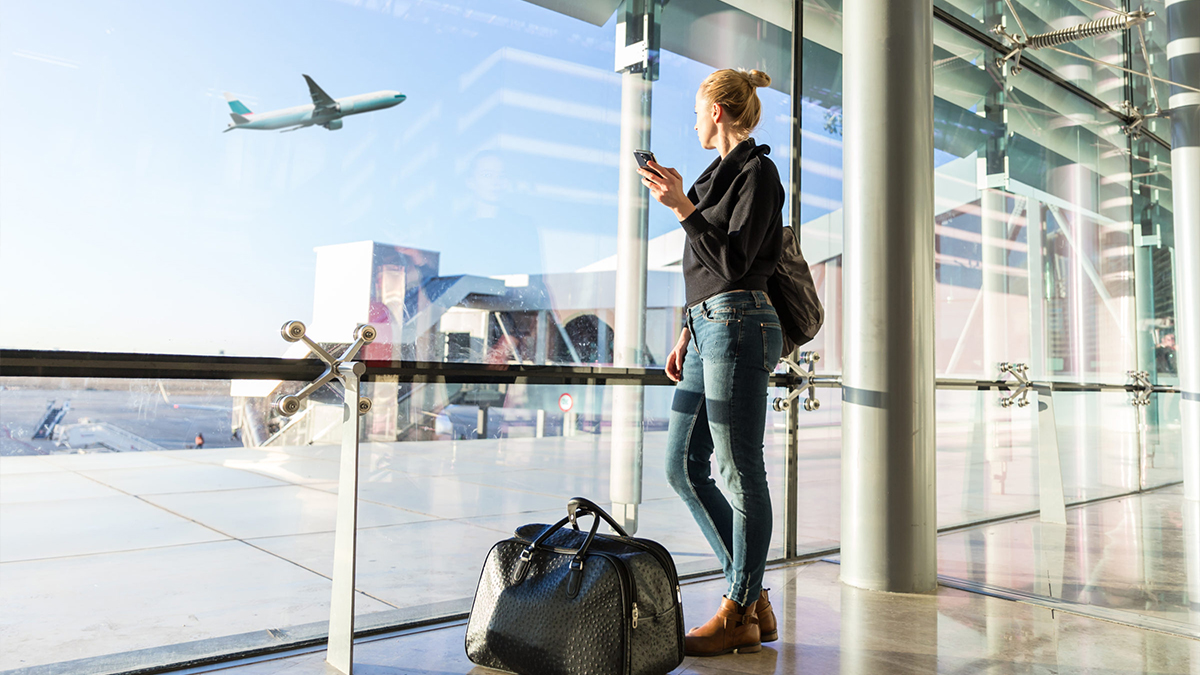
(575, 578)
(582, 506)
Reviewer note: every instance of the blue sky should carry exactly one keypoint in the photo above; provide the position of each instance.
(129, 222)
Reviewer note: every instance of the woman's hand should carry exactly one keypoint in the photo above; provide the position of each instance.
(675, 358)
(667, 188)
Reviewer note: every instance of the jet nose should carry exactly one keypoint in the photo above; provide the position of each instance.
(400, 97)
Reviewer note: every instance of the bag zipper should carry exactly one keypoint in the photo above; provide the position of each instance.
(627, 585)
(664, 558)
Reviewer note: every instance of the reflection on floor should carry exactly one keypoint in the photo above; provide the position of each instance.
(826, 627)
(1134, 559)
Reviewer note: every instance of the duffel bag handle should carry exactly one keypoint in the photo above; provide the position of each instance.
(575, 577)
(582, 506)
(546, 533)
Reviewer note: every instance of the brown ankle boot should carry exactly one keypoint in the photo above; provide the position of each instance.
(767, 626)
(732, 629)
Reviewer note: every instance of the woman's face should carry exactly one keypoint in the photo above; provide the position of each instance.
(706, 127)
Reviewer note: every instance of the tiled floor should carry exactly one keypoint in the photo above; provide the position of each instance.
(826, 627)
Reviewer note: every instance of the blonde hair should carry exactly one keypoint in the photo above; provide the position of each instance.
(734, 90)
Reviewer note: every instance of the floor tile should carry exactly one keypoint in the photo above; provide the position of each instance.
(116, 460)
(289, 468)
(445, 497)
(121, 602)
(74, 527)
(274, 511)
(174, 479)
(20, 465)
(49, 486)
(405, 565)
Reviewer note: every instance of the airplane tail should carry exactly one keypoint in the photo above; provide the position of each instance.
(235, 105)
(238, 120)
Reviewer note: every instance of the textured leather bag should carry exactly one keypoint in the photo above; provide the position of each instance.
(559, 601)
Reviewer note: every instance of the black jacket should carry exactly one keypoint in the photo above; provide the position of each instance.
(735, 236)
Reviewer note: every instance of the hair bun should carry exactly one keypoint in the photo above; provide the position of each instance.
(758, 78)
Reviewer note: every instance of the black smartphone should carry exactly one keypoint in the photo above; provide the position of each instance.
(644, 157)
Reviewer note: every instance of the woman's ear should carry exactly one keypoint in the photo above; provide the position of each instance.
(718, 113)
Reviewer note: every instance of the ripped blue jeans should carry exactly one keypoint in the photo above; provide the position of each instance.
(720, 407)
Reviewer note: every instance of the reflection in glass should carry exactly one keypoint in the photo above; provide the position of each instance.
(986, 457)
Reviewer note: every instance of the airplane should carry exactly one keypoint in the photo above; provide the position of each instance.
(325, 111)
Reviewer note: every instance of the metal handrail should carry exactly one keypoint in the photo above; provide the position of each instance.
(37, 363)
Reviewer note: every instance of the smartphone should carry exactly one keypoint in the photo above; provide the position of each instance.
(644, 157)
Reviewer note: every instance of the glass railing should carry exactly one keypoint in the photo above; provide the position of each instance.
(157, 487)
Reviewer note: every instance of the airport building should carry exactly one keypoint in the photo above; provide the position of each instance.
(987, 459)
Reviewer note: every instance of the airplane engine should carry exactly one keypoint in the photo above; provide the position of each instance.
(333, 125)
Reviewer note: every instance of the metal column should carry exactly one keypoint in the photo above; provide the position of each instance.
(791, 442)
(637, 61)
(340, 653)
(888, 483)
(1183, 54)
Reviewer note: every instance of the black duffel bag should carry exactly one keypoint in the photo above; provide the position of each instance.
(559, 601)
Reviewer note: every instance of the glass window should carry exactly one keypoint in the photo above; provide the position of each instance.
(207, 547)
(1155, 31)
(1041, 17)
(1012, 157)
(451, 177)
(468, 207)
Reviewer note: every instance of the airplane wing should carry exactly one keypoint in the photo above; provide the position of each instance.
(320, 99)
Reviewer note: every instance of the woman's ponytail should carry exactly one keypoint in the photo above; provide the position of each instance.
(734, 90)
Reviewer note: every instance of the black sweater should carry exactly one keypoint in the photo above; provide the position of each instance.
(735, 236)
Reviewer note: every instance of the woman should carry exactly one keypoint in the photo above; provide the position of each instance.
(733, 219)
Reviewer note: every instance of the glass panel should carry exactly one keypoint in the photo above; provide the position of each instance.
(1070, 163)
(1163, 460)
(1155, 31)
(118, 491)
(110, 516)
(981, 223)
(1044, 16)
(819, 483)
(821, 169)
(986, 458)
(1154, 235)
(474, 219)
(1098, 443)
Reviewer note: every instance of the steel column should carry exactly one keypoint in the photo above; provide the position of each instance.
(1183, 58)
(340, 652)
(791, 481)
(791, 436)
(888, 482)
